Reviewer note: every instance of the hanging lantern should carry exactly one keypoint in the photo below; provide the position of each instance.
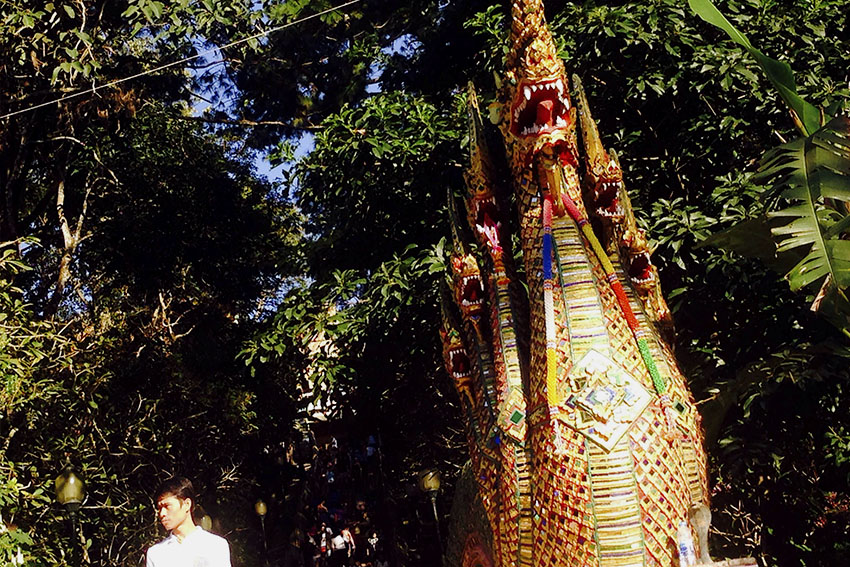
(429, 481)
(70, 489)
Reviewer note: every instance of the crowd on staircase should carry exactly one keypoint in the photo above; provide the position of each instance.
(339, 485)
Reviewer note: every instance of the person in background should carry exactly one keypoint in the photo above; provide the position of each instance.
(350, 546)
(340, 551)
(187, 543)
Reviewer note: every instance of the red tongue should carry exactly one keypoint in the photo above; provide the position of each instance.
(544, 113)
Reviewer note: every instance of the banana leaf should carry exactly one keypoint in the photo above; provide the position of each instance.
(807, 116)
(753, 239)
(813, 175)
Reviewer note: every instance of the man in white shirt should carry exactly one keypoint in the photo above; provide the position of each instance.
(187, 544)
(339, 558)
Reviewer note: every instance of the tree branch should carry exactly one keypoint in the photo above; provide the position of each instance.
(249, 123)
(67, 237)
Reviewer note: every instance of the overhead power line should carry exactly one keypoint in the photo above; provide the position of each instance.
(96, 88)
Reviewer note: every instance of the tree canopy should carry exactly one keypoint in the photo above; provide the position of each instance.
(165, 306)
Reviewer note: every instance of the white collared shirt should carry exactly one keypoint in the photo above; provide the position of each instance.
(198, 549)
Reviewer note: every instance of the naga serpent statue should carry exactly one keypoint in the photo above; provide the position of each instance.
(586, 445)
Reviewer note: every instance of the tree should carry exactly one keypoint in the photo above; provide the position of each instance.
(658, 87)
(151, 245)
(32, 351)
(811, 173)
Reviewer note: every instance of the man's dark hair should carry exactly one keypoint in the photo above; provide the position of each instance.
(177, 486)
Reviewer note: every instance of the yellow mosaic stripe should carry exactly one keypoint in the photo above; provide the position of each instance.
(485, 414)
(513, 376)
(484, 452)
(586, 321)
(692, 469)
(616, 506)
(526, 523)
(619, 534)
(506, 331)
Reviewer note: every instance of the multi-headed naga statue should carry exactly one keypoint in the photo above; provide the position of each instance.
(586, 446)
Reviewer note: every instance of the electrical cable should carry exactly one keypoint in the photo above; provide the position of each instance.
(97, 88)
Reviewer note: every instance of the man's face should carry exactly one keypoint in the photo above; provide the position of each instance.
(172, 511)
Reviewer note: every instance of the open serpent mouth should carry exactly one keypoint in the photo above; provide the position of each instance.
(606, 198)
(459, 361)
(640, 269)
(487, 221)
(472, 292)
(540, 107)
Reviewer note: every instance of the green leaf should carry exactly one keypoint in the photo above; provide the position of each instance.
(83, 36)
(753, 239)
(778, 72)
(806, 172)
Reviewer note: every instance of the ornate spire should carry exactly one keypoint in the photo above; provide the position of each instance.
(531, 42)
